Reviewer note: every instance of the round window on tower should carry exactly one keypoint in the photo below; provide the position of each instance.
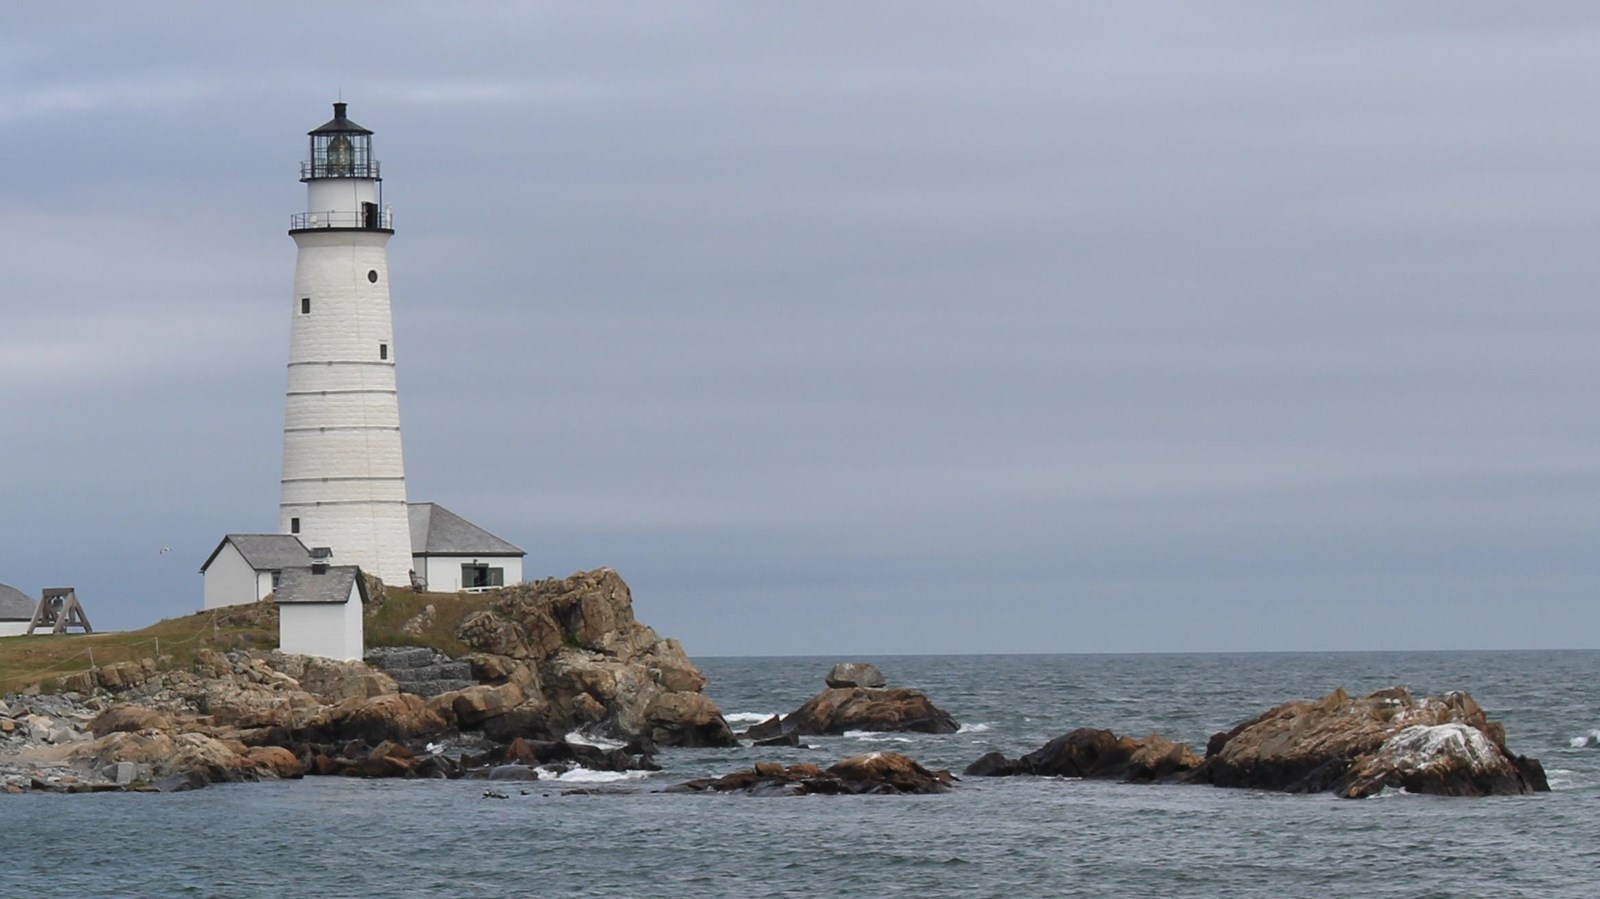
(373, 276)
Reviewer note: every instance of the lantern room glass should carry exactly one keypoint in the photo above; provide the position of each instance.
(341, 154)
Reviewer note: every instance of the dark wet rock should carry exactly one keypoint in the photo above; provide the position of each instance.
(1098, 754)
(782, 740)
(855, 674)
(771, 728)
(873, 773)
(993, 764)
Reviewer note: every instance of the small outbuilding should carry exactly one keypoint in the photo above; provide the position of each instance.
(16, 611)
(450, 554)
(320, 611)
(246, 567)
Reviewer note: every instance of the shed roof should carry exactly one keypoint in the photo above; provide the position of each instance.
(437, 531)
(265, 552)
(304, 585)
(16, 605)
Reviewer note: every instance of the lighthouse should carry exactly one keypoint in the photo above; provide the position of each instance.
(344, 484)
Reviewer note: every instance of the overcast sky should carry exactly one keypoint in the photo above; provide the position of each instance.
(848, 327)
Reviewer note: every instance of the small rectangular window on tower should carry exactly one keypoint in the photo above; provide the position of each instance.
(294, 525)
(383, 351)
(305, 305)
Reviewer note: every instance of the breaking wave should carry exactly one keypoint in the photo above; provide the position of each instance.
(1592, 738)
(584, 739)
(587, 776)
(872, 736)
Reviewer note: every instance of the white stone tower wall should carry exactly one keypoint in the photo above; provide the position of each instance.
(343, 471)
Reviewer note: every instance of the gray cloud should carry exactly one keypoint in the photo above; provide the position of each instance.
(912, 327)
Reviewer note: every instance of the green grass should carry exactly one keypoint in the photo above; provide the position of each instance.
(41, 659)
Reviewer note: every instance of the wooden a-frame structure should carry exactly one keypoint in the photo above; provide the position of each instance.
(59, 610)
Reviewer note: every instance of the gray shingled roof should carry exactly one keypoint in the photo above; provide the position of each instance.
(437, 531)
(301, 585)
(15, 605)
(265, 552)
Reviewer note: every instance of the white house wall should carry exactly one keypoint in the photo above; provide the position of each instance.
(230, 581)
(13, 628)
(330, 630)
(444, 572)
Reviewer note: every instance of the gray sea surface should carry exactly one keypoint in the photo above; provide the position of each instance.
(1001, 837)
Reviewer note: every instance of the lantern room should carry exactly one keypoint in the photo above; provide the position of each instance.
(343, 187)
(340, 149)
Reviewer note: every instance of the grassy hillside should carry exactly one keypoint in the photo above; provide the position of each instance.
(25, 661)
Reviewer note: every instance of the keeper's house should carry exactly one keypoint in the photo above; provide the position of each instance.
(16, 611)
(450, 554)
(246, 567)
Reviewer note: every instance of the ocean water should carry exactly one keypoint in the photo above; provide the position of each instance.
(990, 837)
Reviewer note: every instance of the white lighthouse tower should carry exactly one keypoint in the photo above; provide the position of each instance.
(344, 483)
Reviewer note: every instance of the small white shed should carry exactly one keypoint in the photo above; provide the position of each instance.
(16, 611)
(450, 554)
(245, 567)
(320, 611)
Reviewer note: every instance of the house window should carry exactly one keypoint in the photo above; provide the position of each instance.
(277, 577)
(383, 351)
(474, 575)
(294, 525)
(305, 305)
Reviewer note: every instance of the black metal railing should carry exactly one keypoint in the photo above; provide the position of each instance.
(371, 218)
(323, 168)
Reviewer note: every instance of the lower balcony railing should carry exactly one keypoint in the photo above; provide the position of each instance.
(372, 218)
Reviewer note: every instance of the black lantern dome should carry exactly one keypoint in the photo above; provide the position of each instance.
(340, 149)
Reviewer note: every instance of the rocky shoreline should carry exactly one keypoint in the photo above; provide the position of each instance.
(549, 659)
(562, 676)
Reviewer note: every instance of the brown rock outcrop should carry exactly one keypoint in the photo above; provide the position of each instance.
(398, 717)
(587, 663)
(837, 710)
(130, 719)
(1357, 747)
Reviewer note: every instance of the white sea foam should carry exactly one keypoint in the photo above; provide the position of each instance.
(872, 736)
(973, 729)
(588, 776)
(1592, 738)
(747, 717)
(584, 739)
